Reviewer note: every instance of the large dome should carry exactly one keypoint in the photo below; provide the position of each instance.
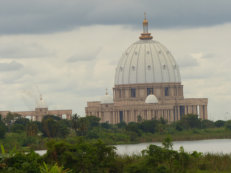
(147, 61)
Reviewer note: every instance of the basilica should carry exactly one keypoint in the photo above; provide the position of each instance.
(147, 85)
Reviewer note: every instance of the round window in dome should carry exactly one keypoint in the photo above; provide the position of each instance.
(164, 66)
(174, 66)
(149, 67)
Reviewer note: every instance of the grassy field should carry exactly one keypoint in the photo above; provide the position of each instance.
(119, 137)
(188, 135)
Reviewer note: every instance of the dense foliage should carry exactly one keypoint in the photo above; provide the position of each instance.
(19, 132)
(81, 145)
(82, 156)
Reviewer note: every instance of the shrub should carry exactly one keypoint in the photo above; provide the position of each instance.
(53, 169)
(3, 129)
(82, 156)
(228, 125)
(219, 123)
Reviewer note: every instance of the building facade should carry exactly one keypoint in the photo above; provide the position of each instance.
(147, 84)
(40, 111)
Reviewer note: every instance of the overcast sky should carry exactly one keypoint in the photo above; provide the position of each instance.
(68, 50)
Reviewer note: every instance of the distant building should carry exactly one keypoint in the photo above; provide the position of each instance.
(40, 111)
(147, 84)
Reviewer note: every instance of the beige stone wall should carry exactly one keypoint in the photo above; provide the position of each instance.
(39, 113)
(123, 92)
(127, 108)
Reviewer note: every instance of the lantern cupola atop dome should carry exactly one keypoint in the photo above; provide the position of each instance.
(145, 35)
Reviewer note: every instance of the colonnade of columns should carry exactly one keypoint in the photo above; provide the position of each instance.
(170, 115)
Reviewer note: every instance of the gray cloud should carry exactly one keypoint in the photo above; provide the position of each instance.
(22, 50)
(26, 16)
(12, 66)
(187, 61)
(86, 56)
(209, 55)
(77, 58)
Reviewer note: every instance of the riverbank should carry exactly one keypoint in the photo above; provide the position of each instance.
(110, 137)
(18, 135)
(213, 146)
(190, 135)
(85, 156)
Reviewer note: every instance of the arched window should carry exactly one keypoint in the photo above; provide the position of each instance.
(133, 92)
(166, 91)
(149, 91)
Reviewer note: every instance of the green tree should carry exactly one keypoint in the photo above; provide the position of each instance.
(228, 124)
(191, 121)
(207, 124)
(63, 129)
(167, 143)
(10, 119)
(53, 126)
(219, 123)
(134, 127)
(106, 125)
(49, 127)
(17, 128)
(3, 129)
(74, 122)
(93, 121)
(19, 124)
(179, 126)
(122, 125)
(22, 163)
(53, 169)
(22, 121)
(82, 156)
(83, 126)
(31, 129)
(139, 119)
(149, 126)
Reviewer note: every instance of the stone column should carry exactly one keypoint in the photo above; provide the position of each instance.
(185, 109)
(115, 121)
(169, 115)
(125, 116)
(131, 115)
(201, 112)
(190, 109)
(178, 112)
(115, 117)
(195, 109)
(150, 114)
(206, 112)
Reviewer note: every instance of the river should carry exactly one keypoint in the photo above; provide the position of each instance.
(204, 146)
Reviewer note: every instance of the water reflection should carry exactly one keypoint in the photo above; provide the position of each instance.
(205, 146)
